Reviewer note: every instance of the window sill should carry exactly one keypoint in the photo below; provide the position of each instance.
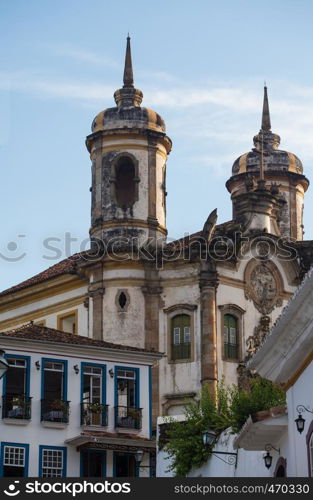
(177, 361)
(128, 430)
(54, 425)
(16, 421)
(93, 427)
(231, 360)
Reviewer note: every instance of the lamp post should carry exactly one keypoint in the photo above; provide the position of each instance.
(4, 365)
(300, 421)
(209, 438)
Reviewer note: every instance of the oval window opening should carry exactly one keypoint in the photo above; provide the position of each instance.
(122, 300)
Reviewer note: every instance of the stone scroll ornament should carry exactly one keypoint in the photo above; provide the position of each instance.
(260, 332)
(262, 289)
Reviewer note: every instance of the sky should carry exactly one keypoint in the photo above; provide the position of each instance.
(201, 65)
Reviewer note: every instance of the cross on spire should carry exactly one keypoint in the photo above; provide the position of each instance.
(266, 119)
(128, 78)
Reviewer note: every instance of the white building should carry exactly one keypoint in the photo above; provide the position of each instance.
(73, 406)
(207, 300)
(286, 357)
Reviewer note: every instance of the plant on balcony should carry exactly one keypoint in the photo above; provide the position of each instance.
(95, 407)
(58, 405)
(228, 408)
(18, 401)
(134, 412)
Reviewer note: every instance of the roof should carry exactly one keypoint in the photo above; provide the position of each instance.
(66, 266)
(40, 333)
(69, 265)
(119, 442)
(263, 427)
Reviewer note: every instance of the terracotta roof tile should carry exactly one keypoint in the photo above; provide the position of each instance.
(31, 331)
(66, 266)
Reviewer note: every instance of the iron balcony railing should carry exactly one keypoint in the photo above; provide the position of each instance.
(16, 406)
(128, 417)
(94, 414)
(55, 410)
(181, 351)
(231, 351)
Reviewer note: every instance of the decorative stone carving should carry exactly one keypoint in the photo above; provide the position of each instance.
(264, 285)
(244, 377)
(260, 331)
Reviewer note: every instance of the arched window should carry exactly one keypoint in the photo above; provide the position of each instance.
(181, 337)
(125, 182)
(231, 347)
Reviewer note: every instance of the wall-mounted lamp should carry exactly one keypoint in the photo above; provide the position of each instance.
(37, 364)
(138, 457)
(268, 459)
(300, 421)
(76, 369)
(209, 438)
(4, 365)
(111, 372)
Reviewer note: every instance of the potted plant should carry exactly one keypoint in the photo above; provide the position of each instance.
(58, 405)
(134, 412)
(95, 407)
(18, 401)
(58, 409)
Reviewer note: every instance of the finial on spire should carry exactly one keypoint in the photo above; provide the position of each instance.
(128, 78)
(266, 120)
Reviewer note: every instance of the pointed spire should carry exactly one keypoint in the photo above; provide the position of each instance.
(266, 120)
(128, 96)
(128, 78)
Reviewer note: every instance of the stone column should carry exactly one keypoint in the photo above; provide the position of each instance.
(209, 372)
(152, 292)
(96, 292)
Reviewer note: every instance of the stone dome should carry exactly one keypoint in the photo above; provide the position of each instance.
(267, 143)
(128, 112)
(273, 160)
(128, 117)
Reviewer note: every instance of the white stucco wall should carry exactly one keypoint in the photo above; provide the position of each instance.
(35, 434)
(299, 394)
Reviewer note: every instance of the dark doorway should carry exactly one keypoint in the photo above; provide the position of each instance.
(93, 463)
(280, 471)
(125, 465)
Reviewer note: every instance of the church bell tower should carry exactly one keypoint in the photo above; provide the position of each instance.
(267, 185)
(128, 148)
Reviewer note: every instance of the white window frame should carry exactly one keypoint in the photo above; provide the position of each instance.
(15, 453)
(52, 470)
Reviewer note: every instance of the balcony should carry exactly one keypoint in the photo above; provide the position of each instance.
(55, 411)
(128, 417)
(181, 351)
(16, 407)
(94, 414)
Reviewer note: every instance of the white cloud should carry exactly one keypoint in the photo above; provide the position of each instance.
(83, 55)
(226, 114)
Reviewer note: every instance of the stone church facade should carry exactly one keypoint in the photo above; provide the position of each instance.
(205, 301)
